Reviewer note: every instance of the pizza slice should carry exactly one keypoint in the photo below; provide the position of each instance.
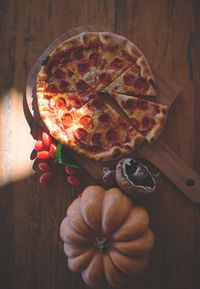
(146, 116)
(61, 81)
(74, 60)
(58, 73)
(85, 65)
(58, 101)
(116, 54)
(137, 80)
(101, 133)
(59, 112)
(93, 129)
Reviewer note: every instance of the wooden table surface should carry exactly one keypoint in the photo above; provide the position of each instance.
(31, 252)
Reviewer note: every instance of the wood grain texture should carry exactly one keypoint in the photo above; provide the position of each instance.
(31, 253)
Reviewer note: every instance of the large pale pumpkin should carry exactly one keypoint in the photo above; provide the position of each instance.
(105, 237)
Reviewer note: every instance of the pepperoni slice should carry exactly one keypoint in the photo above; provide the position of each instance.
(96, 138)
(128, 104)
(64, 60)
(77, 53)
(94, 57)
(82, 86)
(51, 88)
(63, 57)
(70, 73)
(104, 117)
(142, 104)
(64, 85)
(83, 67)
(77, 103)
(50, 105)
(117, 63)
(59, 74)
(135, 68)
(156, 109)
(60, 102)
(147, 122)
(67, 120)
(129, 79)
(111, 135)
(86, 121)
(80, 134)
(122, 122)
(141, 83)
(48, 96)
(105, 77)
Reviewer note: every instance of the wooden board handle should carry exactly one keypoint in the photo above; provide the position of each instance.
(174, 168)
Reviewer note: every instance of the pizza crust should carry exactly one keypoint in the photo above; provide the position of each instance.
(157, 129)
(113, 153)
(147, 74)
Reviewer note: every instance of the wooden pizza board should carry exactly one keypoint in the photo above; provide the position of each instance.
(159, 154)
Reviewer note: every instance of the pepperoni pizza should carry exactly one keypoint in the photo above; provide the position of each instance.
(69, 86)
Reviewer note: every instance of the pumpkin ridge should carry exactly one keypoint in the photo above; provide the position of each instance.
(122, 273)
(79, 263)
(137, 246)
(121, 277)
(137, 221)
(113, 213)
(91, 207)
(127, 264)
(78, 232)
(94, 268)
(72, 251)
(76, 219)
(72, 237)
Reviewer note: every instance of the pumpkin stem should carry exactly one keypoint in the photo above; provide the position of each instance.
(101, 243)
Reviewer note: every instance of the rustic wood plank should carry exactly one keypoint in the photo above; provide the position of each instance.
(31, 250)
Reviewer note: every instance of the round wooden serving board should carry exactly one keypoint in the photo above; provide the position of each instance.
(159, 154)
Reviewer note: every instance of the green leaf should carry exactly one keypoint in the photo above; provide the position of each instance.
(63, 157)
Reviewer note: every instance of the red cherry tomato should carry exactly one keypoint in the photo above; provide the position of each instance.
(44, 178)
(52, 150)
(38, 145)
(46, 139)
(44, 167)
(73, 180)
(71, 171)
(44, 155)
